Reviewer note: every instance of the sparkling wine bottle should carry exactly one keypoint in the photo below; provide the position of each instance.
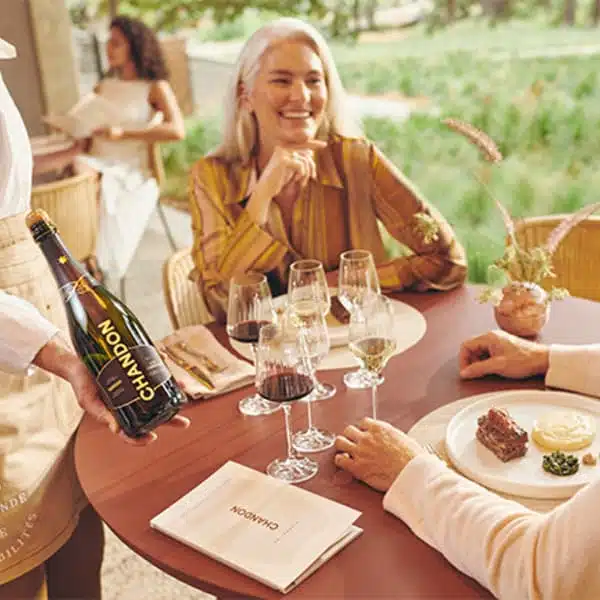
(135, 383)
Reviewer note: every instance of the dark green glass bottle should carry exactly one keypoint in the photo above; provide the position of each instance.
(134, 381)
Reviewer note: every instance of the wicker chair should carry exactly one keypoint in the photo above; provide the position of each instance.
(574, 261)
(185, 305)
(72, 203)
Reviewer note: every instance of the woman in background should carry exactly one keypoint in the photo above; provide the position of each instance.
(294, 178)
(137, 84)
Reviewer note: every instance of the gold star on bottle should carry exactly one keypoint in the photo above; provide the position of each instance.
(62, 260)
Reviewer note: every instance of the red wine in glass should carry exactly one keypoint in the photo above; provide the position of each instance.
(246, 331)
(285, 387)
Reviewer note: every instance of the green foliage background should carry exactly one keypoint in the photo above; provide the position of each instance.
(544, 113)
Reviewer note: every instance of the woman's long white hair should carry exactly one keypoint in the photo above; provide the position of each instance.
(240, 128)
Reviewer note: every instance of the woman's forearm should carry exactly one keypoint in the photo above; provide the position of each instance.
(57, 357)
(165, 132)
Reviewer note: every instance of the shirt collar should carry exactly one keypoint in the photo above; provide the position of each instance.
(7, 50)
(327, 174)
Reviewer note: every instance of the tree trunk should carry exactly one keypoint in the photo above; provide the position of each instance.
(502, 9)
(371, 10)
(595, 13)
(569, 12)
(451, 11)
(356, 15)
(113, 8)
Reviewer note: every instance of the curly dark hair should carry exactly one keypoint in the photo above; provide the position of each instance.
(144, 47)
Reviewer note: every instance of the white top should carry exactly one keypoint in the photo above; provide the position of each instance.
(23, 330)
(136, 112)
(514, 552)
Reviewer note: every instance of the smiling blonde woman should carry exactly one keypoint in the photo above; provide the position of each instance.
(294, 178)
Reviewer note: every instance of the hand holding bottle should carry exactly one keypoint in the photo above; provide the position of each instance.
(132, 380)
(86, 390)
(56, 357)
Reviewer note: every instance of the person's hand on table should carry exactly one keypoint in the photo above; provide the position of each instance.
(500, 353)
(375, 452)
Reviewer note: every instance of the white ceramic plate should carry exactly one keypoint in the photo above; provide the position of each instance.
(409, 328)
(522, 476)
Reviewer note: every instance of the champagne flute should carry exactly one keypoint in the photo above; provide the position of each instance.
(311, 331)
(249, 309)
(307, 286)
(358, 284)
(372, 340)
(281, 378)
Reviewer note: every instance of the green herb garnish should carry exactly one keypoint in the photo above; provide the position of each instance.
(559, 463)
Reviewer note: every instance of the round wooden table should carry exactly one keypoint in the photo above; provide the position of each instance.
(128, 485)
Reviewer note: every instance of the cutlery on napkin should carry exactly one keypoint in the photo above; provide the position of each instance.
(204, 367)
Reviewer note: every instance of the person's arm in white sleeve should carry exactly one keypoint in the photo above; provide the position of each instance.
(23, 332)
(514, 552)
(575, 368)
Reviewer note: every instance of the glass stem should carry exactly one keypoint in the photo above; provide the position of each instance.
(374, 400)
(316, 384)
(319, 388)
(288, 430)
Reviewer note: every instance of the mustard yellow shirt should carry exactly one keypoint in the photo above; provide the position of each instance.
(328, 218)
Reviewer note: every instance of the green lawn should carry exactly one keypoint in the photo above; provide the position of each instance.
(543, 113)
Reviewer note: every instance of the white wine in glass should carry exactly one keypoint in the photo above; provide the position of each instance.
(308, 287)
(372, 342)
(358, 284)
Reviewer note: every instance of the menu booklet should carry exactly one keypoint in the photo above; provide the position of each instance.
(94, 112)
(276, 533)
(90, 113)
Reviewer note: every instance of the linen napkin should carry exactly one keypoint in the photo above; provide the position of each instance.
(189, 344)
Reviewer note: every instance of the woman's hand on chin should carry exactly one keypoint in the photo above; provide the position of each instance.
(290, 164)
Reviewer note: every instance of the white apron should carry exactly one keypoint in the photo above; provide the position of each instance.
(40, 497)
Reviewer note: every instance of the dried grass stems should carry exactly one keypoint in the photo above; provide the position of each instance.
(519, 263)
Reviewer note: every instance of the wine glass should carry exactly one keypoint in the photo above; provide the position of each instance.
(358, 283)
(249, 309)
(281, 378)
(308, 285)
(312, 335)
(372, 340)
(307, 281)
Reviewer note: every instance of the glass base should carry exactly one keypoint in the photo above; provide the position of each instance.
(323, 392)
(293, 470)
(255, 406)
(312, 440)
(361, 379)
(326, 391)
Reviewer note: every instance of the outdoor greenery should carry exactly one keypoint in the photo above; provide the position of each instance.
(341, 18)
(544, 114)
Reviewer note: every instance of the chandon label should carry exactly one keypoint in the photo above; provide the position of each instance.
(133, 374)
